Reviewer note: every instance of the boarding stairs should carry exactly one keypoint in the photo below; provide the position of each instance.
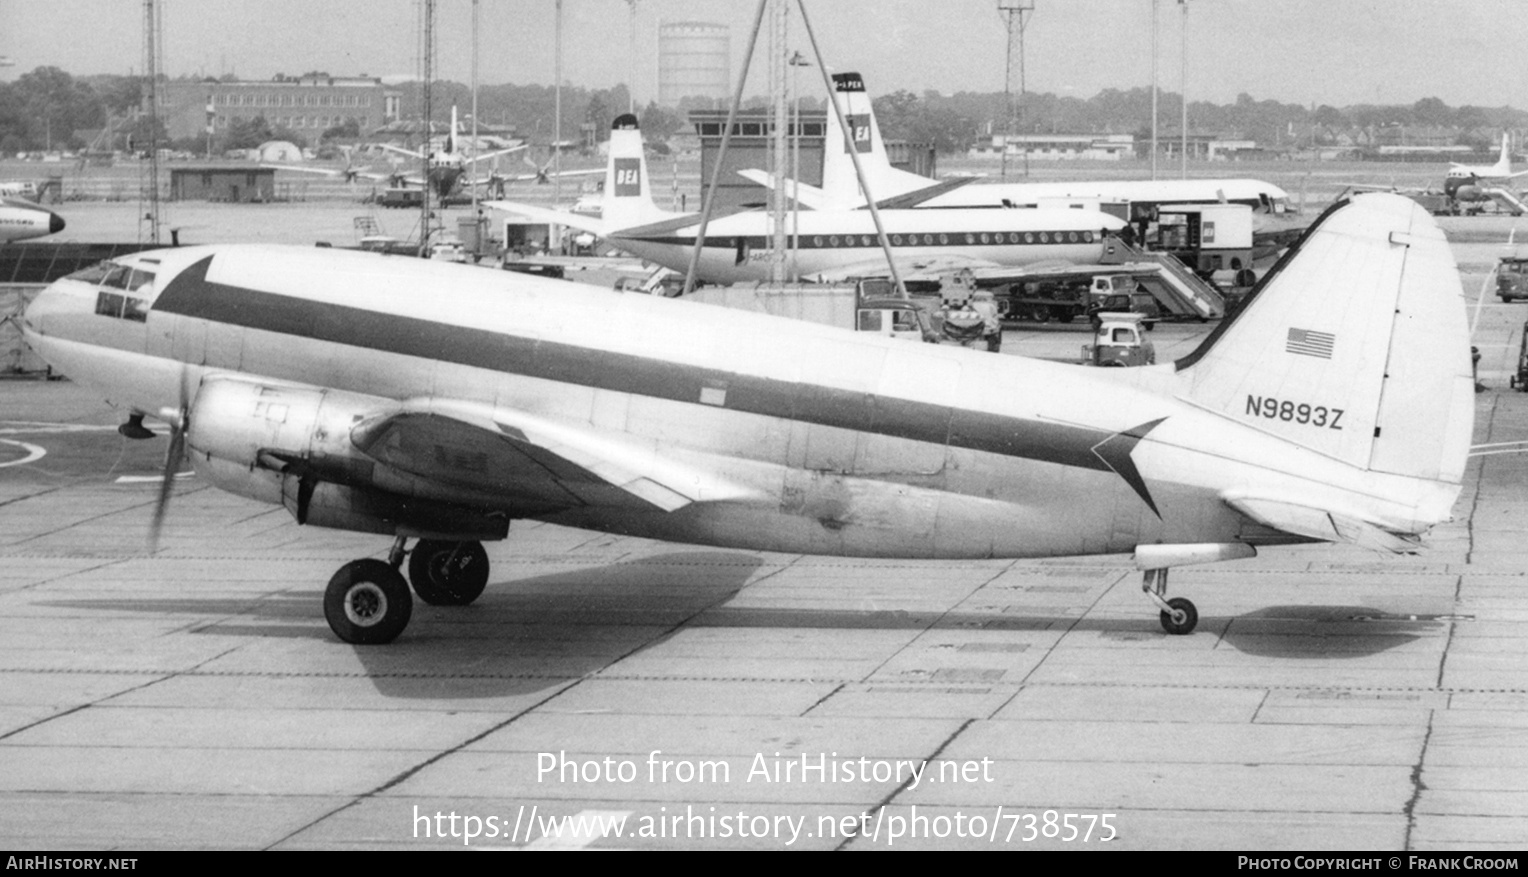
(1507, 200)
(1177, 289)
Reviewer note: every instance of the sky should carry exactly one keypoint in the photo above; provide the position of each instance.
(1338, 52)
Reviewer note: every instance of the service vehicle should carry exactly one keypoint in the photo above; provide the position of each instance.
(1119, 341)
(1133, 302)
(1512, 278)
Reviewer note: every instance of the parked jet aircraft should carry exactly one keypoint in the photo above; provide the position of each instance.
(419, 399)
(829, 244)
(840, 187)
(21, 219)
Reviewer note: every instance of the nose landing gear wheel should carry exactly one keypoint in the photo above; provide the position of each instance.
(367, 603)
(448, 573)
(1181, 617)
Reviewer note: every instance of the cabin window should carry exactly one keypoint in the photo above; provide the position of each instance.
(896, 240)
(1124, 336)
(944, 240)
(1029, 237)
(816, 240)
(1044, 238)
(870, 321)
(1087, 237)
(904, 321)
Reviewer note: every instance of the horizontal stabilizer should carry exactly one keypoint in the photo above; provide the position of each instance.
(1322, 524)
(591, 224)
(805, 193)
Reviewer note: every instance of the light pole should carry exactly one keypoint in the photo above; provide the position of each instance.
(796, 62)
(1153, 89)
(1013, 13)
(1183, 81)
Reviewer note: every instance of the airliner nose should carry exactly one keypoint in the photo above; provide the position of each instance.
(56, 224)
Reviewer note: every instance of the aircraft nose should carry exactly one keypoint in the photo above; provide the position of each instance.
(55, 224)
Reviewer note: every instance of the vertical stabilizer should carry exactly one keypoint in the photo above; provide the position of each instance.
(839, 183)
(1355, 346)
(628, 199)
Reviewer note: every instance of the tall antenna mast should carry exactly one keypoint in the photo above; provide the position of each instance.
(427, 71)
(151, 109)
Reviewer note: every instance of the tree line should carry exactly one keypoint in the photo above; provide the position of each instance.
(48, 108)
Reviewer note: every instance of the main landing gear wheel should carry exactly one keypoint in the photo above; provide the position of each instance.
(367, 603)
(448, 573)
(1179, 617)
(1182, 617)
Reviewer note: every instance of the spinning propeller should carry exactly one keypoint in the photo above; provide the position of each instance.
(179, 420)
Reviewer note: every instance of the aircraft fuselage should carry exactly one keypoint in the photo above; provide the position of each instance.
(738, 248)
(829, 442)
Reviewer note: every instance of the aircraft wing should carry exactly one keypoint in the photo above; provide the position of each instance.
(914, 198)
(400, 150)
(545, 463)
(1325, 525)
(561, 217)
(907, 267)
(498, 152)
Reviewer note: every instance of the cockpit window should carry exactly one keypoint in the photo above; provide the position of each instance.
(122, 307)
(95, 273)
(127, 278)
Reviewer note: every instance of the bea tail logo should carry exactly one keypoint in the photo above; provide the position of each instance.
(859, 131)
(628, 177)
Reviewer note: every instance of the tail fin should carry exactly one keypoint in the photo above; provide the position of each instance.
(628, 198)
(1355, 345)
(839, 183)
(1504, 164)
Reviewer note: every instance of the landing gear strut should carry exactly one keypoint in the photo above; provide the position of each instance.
(368, 601)
(448, 573)
(1178, 614)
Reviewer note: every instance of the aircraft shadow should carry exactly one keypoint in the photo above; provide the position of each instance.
(1324, 632)
(542, 632)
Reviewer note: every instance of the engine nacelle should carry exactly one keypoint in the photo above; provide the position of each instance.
(291, 446)
(238, 427)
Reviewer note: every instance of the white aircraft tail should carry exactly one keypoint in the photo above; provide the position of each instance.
(1356, 346)
(839, 184)
(1503, 166)
(628, 200)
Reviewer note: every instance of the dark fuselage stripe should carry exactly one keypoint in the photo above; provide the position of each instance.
(813, 241)
(190, 294)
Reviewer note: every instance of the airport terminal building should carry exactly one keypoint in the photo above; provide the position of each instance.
(307, 104)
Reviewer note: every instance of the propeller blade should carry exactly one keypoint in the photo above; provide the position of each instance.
(172, 460)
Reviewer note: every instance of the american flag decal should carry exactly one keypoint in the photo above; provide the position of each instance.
(1307, 342)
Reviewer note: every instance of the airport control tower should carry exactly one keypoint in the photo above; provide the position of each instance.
(694, 60)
